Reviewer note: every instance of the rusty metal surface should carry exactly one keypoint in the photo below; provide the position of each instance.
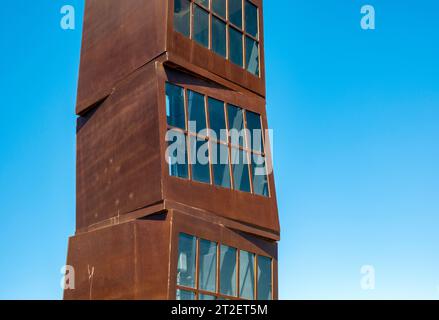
(118, 38)
(138, 259)
(129, 210)
(121, 262)
(121, 36)
(118, 152)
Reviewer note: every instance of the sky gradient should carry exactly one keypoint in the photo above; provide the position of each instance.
(355, 120)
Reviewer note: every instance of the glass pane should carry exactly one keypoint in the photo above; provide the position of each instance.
(264, 278)
(201, 26)
(219, 7)
(196, 112)
(175, 106)
(186, 260)
(217, 119)
(220, 165)
(235, 45)
(228, 271)
(206, 297)
(246, 275)
(236, 125)
(259, 175)
(219, 37)
(254, 126)
(182, 16)
(177, 154)
(200, 159)
(208, 265)
(251, 19)
(185, 295)
(235, 12)
(252, 56)
(240, 170)
(203, 2)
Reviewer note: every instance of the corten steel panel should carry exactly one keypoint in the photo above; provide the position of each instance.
(189, 50)
(118, 152)
(126, 261)
(236, 205)
(184, 222)
(119, 36)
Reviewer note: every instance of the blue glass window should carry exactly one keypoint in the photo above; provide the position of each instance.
(186, 260)
(235, 12)
(177, 154)
(196, 112)
(240, 170)
(259, 175)
(201, 26)
(252, 56)
(254, 126)
(175, 106)
(199, 153)
(235, 45)
(264, 278)
(182, 9)
(246, 275)
(220, 165)
(219, 37)
(217, 119)
(228, 271)
(207, 268)
(219, 7)
(251, 19)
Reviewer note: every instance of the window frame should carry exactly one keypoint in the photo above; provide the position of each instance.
(217, 294)
(246, 148)
(242, 30)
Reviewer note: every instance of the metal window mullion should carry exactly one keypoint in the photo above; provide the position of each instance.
(197, 265)
(218, 275)
(256, 276)
(209, 148)
(248, 154)
(229, 146)
(188, 142)
(238, 273)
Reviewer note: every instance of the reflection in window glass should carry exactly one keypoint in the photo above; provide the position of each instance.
(182, 16)
(186, 260)
(235, 12)
(196, 112)
(264, 278)
(246, 275)
(252, 56)
(228, 271)
(259, 175)
(240, 170)
(219, 7)
(201, 26)
(185, 295)
(219, 37)
(251, 19)
(217, 119)
(236, 125)
(177, 154)
(199, 154)
(175, 106)
(207, 265)
(255, 130)
(235, 45)
(220, 165)
(203, 2)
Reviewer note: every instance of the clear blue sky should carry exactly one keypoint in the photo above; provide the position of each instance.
(355, 118)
